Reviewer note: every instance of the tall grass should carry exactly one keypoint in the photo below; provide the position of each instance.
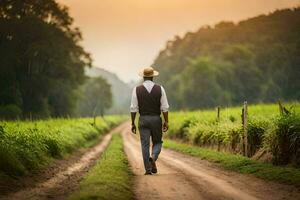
(283, 139)
(26, 146)
(267, 129)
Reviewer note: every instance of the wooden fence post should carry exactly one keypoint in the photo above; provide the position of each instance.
(218, 120)
(245, 126)
(243, 141)
(218, 113)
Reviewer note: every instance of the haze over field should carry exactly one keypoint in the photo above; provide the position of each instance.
(125, 35)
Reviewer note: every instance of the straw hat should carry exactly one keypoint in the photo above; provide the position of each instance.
(148, 72)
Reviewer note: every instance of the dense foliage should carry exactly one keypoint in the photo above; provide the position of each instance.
(96, 97)
(283, 139)
(121, 91)
(28, 145)
(268, 131)
(41, 62)
(256, 60)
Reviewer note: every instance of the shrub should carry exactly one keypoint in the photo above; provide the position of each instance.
(232, 118)
(256, 131)
(182, 131)
(283, 139)
(10, 111)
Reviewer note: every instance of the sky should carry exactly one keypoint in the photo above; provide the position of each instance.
(124, 36)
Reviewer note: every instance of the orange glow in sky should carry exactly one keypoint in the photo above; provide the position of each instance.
(124, 36)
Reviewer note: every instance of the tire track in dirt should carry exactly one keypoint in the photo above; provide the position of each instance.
(186, 177)
(66, 181)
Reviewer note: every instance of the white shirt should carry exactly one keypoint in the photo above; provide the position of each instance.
(164, 105)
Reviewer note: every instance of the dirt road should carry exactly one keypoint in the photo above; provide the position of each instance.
(60, 181)
(185, 177)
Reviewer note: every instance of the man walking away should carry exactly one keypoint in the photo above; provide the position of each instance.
(149, 99)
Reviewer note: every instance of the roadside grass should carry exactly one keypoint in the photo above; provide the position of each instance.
(239, 163)
(267, 129)
(28, 146)
(110, 178)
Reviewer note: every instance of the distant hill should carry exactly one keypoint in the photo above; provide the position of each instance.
(256, 60)
(121, 91)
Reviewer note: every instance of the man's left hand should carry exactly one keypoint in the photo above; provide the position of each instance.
(133, 128)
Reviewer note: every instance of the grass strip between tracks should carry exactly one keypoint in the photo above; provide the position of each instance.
(110, 178)
(239, 163)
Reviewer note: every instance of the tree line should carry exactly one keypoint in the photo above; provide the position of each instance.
(42, 62)
(257, 59)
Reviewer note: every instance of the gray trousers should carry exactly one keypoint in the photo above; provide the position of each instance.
(150, 126)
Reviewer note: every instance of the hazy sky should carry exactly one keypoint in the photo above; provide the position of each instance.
(124, 36)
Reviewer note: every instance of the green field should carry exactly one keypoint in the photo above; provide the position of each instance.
(275, 135)
(26, 146)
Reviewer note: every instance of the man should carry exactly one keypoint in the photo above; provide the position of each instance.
(149, 99)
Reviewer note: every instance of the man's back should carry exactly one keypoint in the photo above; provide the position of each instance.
(149, 85)
(149, 102)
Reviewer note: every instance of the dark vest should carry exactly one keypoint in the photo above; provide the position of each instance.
(149, 103)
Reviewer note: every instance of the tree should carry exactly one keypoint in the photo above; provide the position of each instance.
(96, 97)
(199, 84)
(247, 76)
(39, 51)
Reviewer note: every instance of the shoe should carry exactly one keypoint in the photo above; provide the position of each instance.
(148, 173)
(153, 166)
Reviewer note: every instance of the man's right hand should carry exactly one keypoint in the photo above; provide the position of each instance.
(133, 128)
(165, 126)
